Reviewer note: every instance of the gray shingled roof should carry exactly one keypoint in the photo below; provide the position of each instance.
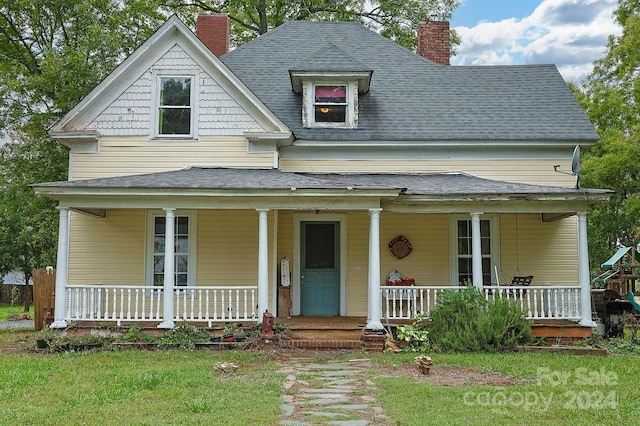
(410, 97)
(436, 184)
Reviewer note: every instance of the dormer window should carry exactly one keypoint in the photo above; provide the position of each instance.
(330, 104)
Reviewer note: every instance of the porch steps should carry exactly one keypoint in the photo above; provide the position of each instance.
(323, 333)
(560, 332)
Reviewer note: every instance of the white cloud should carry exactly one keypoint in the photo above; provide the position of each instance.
(568, 33)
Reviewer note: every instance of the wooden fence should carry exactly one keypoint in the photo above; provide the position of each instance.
(44, 285)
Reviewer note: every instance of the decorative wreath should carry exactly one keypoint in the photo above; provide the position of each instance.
(400, 246)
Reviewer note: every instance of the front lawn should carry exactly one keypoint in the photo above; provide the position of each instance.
(184, 387)
(8, 311)
(547, 389)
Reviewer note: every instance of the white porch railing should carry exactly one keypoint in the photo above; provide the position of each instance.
(537, 302)
(145, 303)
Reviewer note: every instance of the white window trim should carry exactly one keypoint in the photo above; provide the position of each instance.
(453, 245)
(308, 104)
(155, 100)
(193, 244)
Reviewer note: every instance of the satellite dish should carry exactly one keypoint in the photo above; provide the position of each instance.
(575, 165)
(575, 161)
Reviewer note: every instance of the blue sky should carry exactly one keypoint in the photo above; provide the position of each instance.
(568, 33)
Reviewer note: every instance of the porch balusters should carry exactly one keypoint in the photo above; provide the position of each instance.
(536, 302)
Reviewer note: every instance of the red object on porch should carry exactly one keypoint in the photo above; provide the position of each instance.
(267, 323)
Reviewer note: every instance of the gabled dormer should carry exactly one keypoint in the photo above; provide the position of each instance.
(330, 82)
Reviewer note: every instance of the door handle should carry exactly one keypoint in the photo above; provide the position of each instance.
(301, 278)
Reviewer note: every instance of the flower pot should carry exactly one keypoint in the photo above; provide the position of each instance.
(240, 338)
(228, 338)
(216, 339)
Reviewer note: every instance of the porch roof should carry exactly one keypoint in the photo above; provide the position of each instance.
(241, 179)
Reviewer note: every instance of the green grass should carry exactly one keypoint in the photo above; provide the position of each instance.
(8, 310)
(553, 389)
(141, 388)
(182, 387)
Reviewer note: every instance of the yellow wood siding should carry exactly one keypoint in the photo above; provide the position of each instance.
(107, 250)
(227, 247)
(548, 251)
(285, 237)
(126, 156)
(358, 267)
(112, 250)
(512, 170)
(428, 263)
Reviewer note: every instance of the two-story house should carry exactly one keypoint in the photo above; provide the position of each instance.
(322, 162)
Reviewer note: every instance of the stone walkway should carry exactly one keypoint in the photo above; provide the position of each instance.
(330, 393)
(16, 324)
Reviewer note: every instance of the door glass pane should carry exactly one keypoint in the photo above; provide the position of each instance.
(319, 246)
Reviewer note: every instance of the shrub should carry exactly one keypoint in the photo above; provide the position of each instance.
(184, 336)
(464, 321)
(416, 335)
(136, 334)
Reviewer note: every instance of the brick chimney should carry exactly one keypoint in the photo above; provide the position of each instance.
(433, 41)
(213, 31)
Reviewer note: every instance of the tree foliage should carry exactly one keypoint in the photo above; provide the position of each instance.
(395, 19)
(611, 98)
(51, 55)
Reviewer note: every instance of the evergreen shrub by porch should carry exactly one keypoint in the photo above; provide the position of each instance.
(464, 321)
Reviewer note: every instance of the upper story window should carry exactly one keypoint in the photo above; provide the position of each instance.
(175, 107)
(330, 105)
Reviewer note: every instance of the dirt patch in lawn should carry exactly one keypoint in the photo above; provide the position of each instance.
(438, 376)
(452, 376)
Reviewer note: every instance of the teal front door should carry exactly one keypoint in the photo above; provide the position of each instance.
(320, 268)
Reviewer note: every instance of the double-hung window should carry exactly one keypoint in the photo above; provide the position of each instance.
(175, 114)
(184, 250)
(463, 246)
(330, 105)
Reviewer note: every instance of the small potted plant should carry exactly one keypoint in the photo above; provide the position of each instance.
(227, 331)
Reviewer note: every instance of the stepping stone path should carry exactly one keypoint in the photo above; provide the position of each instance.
(330, 393)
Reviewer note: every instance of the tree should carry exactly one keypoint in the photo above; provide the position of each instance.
(611, 98)
(51, 55)
(395, 19)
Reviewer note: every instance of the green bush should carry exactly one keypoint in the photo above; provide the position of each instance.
(464, 321)
(184, 336)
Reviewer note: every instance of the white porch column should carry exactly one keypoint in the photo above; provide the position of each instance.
(62, 269)
(584, 280)
(476, 251)
(374, 309)
(169, 272)
(263, 263)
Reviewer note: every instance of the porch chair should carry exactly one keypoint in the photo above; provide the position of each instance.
(520, 280)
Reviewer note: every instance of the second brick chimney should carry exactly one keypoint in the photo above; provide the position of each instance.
(213, 31)
(433, 41)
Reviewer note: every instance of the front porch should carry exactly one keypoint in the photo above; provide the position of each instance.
(168, 254)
